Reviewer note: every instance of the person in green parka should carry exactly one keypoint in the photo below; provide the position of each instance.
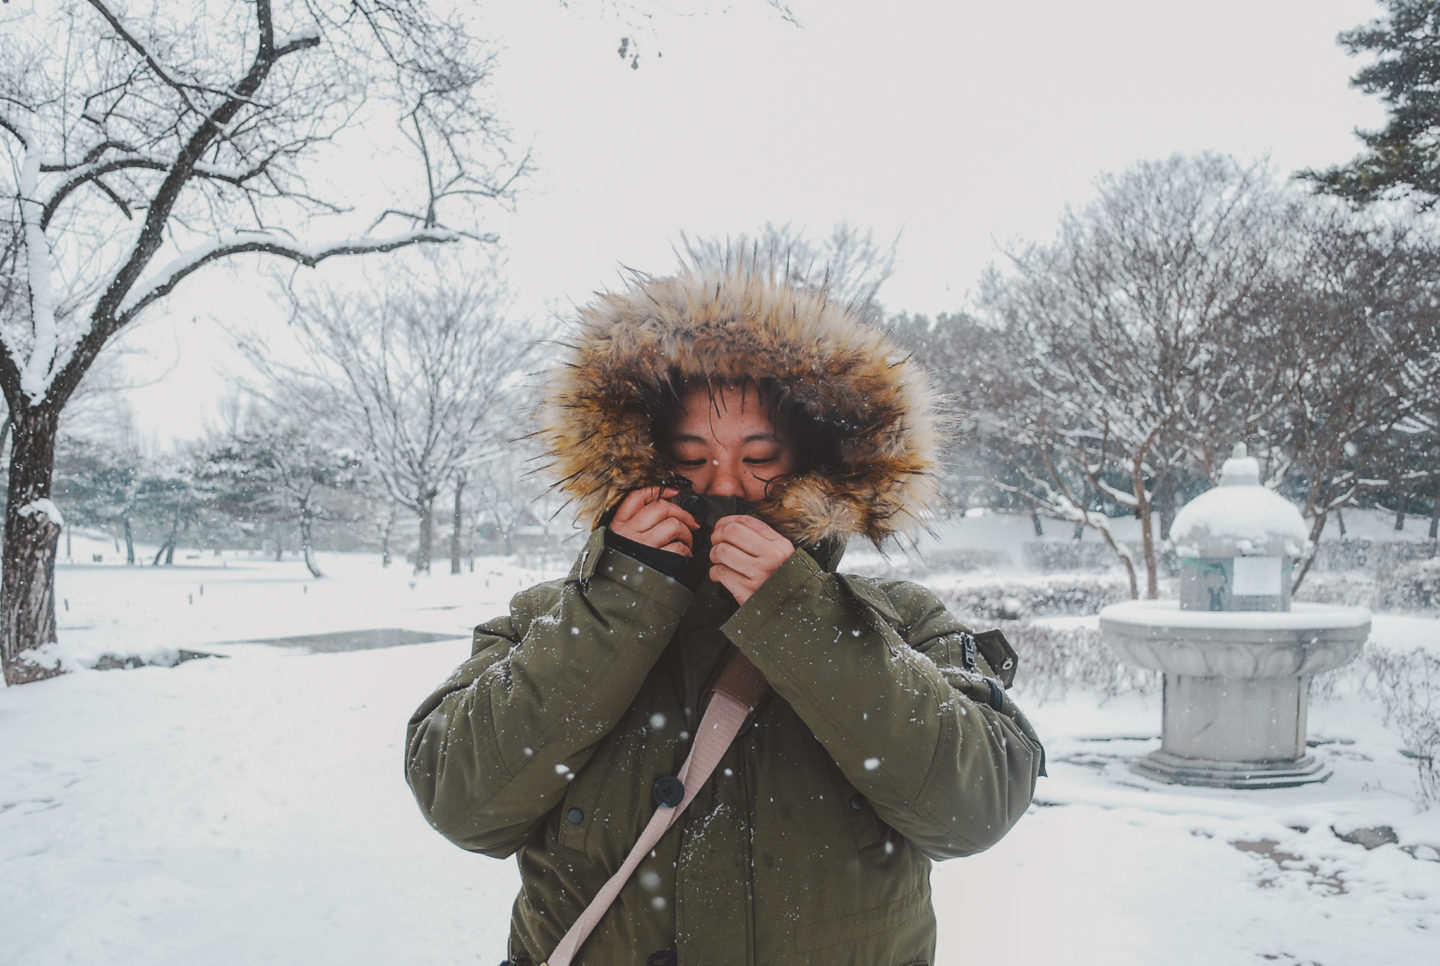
(724, 434)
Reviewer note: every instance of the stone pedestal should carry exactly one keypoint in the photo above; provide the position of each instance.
(1236, 686)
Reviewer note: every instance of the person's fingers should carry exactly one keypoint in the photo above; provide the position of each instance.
(647, 516)
(744, 552)
(663, 518)
(752, 536)
(747, 522)
(735, 558)
(741, 587)
(671, 533)
(637, 500)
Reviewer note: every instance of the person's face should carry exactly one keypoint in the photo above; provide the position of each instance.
(725, 444)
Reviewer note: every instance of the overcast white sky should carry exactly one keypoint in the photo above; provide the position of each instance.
(957, 126)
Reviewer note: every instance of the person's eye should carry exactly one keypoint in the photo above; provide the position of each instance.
(761, 460)
(690, 464)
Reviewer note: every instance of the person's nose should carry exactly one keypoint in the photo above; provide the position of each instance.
(726, 479)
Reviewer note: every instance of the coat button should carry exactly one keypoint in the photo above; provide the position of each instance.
(663, 957)
(668, 791)
(575, 816)
(857, 801)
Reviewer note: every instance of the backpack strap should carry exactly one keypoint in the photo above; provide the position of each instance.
(736, 694)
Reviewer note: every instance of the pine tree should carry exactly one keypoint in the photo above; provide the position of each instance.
(1403, 158)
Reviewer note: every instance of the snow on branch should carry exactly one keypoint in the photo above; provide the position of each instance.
(15, 130)
(297, 41)
(37, 368)
(45, 508)
(310, 256)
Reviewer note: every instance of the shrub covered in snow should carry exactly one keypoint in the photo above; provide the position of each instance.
(1406, 587)
(1067, 556)
(1363, 553)
(1410, 586)
(1055, 661)
(1036, 597)
(1407, 684)
(915, 566)
(1347, 589)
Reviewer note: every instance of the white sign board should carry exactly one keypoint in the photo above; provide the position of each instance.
(1256, 577)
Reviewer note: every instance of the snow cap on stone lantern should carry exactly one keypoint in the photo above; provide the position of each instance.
(1237, 542)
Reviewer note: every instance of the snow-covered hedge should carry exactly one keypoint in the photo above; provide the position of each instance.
(1055, 661)
(939, 560)
(1348, 589)
(1411, 586)
(1407, 685)
(1067, 556)
(1406, 587)
(1362, 553)
(1038, 597)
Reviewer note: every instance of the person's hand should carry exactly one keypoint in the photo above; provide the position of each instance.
(744, 552)
(647, 516)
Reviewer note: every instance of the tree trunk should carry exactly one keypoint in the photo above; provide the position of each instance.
(129, 541)
(27, 588)
(1147, 536)
(425, 549)
(1035, 522)
(457, 524)
(1400, 500)
(167, 549)
(307, 540)
(1316, 528)
(1435, 510)
(386, 532)
(1164, 503)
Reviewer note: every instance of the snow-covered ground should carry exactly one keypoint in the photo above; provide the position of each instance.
(251, 808)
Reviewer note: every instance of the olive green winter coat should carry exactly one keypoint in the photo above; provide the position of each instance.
(810, 844)
(877, 749)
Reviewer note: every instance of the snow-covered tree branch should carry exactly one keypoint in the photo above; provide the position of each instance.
(138, 148)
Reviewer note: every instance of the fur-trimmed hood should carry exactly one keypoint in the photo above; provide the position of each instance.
(863, 395)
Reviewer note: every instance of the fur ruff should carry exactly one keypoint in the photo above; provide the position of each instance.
(723, 326)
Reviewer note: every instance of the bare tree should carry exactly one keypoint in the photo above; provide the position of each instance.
(849, 266)
(141, 146)
(417, 373)
(1117, 335)
(1357, 325)
(277, 465)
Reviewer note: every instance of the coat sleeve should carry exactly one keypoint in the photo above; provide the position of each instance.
(491, 750)
(871, 672)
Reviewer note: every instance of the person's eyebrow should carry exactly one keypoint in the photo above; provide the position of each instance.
(752, 438)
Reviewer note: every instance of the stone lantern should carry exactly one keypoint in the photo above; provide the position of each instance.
(1236, 655)
(1237, 543)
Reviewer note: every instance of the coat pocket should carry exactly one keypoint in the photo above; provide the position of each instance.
(865, 826)
(577, 814)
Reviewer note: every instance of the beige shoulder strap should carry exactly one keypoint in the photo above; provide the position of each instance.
(736, 693)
